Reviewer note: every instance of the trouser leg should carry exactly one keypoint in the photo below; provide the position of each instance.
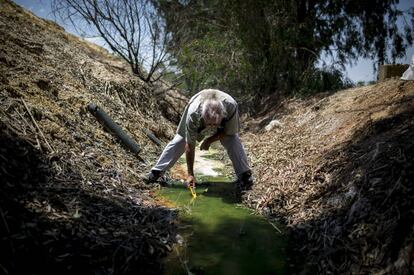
(172, 152)
(236, 153)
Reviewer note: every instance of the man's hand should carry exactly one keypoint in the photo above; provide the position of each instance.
(205, 145)
(191, 181)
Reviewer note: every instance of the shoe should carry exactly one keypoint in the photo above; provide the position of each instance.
(245, 181)
(152, 176)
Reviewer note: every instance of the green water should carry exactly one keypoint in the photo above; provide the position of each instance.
(220, 236)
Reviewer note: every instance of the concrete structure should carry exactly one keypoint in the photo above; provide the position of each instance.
(391, 70)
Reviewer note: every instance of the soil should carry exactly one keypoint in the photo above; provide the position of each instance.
(338, 170)
(71, 197)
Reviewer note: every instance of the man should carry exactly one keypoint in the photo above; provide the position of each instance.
(208, 112)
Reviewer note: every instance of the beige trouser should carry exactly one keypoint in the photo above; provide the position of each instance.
(176, 147)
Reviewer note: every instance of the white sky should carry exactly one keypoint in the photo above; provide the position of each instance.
(361, 71)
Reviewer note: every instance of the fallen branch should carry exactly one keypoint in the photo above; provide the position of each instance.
(37, 127)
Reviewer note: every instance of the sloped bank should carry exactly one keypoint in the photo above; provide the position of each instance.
(70, 198)
(339, 172)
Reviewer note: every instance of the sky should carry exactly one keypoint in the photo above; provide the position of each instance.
(362, 70)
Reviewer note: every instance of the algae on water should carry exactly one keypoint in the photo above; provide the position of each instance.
(217, 236)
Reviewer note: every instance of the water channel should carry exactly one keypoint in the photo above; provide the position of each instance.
(217, 235)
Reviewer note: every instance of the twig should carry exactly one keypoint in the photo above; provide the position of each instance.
(4, 221)
(183, 259)
(10, 126)
(6, 226)
(25, 120)
(37, 126)
(4, 269)
(275, 227)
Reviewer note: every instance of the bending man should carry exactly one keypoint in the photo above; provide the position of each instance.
(211, 113)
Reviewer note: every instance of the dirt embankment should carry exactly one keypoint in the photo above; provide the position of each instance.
(339, 172)
(70, 198)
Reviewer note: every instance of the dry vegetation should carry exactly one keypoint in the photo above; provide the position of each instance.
(339, 172)
(70, 198)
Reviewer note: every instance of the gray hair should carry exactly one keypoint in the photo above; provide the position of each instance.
(213, 110)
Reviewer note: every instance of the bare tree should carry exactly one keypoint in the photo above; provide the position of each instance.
(131, 28)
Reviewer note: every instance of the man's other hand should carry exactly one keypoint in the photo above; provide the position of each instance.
(205, 145)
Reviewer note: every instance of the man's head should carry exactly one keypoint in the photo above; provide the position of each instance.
(213, 112)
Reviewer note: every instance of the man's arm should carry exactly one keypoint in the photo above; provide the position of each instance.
(189, 155)
(205, 145)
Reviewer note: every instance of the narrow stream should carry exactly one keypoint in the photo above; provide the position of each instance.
(216, 234)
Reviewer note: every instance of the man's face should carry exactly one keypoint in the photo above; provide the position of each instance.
(211, 124)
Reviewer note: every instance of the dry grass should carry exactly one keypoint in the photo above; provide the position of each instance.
(339, 174)
(71, 199)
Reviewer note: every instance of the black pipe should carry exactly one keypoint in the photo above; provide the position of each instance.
(114, 128)
(152, 137)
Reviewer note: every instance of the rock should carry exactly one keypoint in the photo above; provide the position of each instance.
(273, 124)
